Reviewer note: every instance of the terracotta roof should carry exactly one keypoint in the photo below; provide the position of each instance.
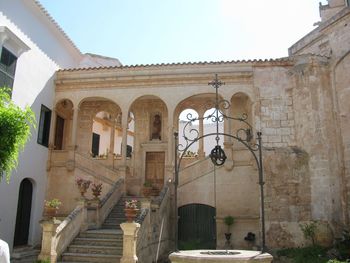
(52, 20)
(278, 60)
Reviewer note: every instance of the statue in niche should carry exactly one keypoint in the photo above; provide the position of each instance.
(156, 127)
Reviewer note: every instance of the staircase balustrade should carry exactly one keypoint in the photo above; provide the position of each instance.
(58, 235)
(153, 239)
(97, 213)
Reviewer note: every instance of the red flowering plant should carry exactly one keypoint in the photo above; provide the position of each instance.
(83, 185)
(96, 189)
(131, 204)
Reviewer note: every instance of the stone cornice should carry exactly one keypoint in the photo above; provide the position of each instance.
(159, 75)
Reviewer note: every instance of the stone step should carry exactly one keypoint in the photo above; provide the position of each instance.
(87, 249)
(114, 221)
(114, 227)
(121, 217)
(80, 257)
(97, 241)
(102, 233)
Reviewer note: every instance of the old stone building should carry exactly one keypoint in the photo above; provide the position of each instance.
(115, 125)
(299, 103)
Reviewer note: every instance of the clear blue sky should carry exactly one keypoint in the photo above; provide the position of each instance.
(166, 31)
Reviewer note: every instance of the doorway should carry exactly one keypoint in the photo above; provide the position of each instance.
(197, 227)
(59, 133)
(24, 208)
(155, 163)
(95, 147)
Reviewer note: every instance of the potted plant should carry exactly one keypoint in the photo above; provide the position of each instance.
(96, 190)
(228, 220)
(83, 185)
(147, 188)
(131, 209)
(51, 207)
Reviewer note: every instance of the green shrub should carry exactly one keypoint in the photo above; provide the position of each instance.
(312, 254)
(309, 231)
(15, 124)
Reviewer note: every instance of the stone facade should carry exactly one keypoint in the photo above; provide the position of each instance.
(299, 103)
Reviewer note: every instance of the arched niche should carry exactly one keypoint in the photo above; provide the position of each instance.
(151, 118)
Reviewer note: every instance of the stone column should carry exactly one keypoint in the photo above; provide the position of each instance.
(74, 127)
(111, 143)
(49, 231)
(130, 231)
(228, 143)
(170, 137)
(124, 135)
(201, 153)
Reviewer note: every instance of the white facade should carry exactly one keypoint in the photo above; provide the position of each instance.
(42, 48)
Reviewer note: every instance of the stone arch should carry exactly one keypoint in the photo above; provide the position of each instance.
(201, 103)
(150, 151)
(145, 109)
(106, 115)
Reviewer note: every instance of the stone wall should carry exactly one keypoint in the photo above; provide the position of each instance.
(276, 115)
(287, 195)
(316, 134)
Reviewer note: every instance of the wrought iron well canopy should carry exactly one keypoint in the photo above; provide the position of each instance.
(218, 114)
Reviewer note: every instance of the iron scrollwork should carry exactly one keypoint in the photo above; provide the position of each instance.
(244, 135)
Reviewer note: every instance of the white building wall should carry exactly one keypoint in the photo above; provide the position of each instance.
(48, 51)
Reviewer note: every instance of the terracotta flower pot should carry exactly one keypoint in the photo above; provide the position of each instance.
(82, 190)
(147, 191)
(130, 214)
(50, 211)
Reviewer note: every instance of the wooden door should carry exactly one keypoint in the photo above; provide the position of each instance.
(24, 208)
(197, 227)
(155, 162)
(59, 133)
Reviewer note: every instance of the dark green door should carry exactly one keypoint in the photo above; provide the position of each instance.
(23, 213)
(197, 227)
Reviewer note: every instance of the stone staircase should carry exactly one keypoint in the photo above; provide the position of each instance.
(99, 245)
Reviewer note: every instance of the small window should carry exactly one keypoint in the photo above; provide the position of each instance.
(348, 2)
(7, 68)
(44, 126)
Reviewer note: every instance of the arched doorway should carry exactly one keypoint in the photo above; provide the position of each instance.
(24, 208)
(197, 227)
